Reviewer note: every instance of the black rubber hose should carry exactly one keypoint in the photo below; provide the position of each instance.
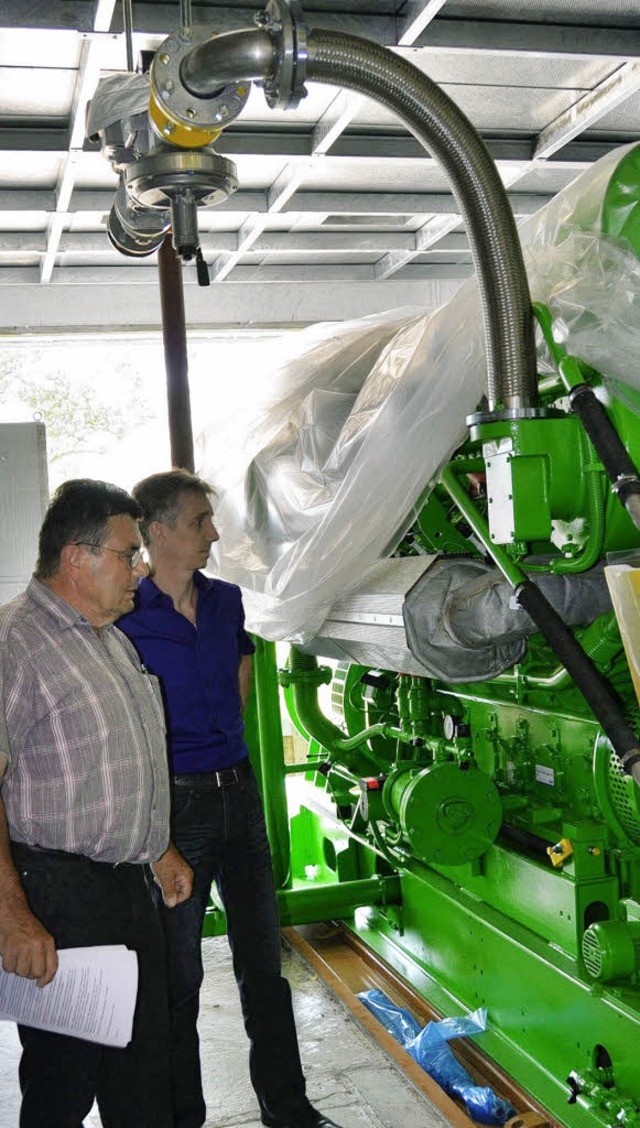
(526, 839)
(607, 707)
(609, 446)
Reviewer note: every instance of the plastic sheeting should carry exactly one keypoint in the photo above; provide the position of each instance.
(430, 1048)
(322, 472)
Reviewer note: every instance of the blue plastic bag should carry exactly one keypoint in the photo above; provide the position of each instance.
(429, 1047)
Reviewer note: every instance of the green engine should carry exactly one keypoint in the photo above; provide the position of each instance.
(485, 746)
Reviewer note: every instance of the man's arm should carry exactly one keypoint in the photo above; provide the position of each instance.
(244, 680)
(174, 875)
(26, 947)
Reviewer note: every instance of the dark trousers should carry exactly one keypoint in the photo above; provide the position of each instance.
(83, 903)
(221, 832)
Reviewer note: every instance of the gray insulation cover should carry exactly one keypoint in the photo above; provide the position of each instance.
(117, 96)
(463, 624)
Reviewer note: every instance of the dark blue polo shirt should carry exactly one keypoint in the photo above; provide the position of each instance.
(198, 670)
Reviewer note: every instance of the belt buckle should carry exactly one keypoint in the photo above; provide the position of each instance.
(222, 777)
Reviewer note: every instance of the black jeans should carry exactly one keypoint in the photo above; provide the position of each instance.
(83, 903)
(221, 832)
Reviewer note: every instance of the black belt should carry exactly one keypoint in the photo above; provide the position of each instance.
(23, 853)
(226, 777)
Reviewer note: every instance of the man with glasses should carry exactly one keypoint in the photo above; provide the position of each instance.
(189, 631)
(84, 805)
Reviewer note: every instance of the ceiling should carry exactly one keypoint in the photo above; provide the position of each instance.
(339, 211)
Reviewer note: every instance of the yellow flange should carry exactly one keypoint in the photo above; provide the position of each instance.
(172, 129)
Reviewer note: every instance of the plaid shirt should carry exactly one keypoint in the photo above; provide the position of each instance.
(82, 735)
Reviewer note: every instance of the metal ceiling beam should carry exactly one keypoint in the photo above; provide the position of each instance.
(327, 242)
(63, 308)
(428, 235)
(588, 110)
(338, 115)
(416, 14)
(130, 275)
(399, 203)
(86, 79)
(376, 147)
(43, 14)
(33, 138)
(483, 36)
(163, 18)
(219, 242)
(494, 37)
(308, 205)
(278, 197)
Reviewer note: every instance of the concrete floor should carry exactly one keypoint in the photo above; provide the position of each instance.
(348, 1076)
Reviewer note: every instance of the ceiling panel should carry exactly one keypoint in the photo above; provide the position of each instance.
(327, 192)
(523, 110)
(37, 93)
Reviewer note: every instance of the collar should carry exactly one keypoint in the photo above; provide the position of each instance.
(67, 615)
(150, 595)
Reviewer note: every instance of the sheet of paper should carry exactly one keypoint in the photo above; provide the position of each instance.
(92, 995)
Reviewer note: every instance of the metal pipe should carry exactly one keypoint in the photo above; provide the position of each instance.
(336, 899)
(300, 677)
(174, 337)
(272, 760)
(481, 197)
(235, 56)
(127, 22)
(185, 13)
(443, 129)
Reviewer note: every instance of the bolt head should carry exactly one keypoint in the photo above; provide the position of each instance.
(191, 113)
(164, 58)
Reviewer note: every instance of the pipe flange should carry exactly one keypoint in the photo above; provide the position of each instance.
(284, 20)
(179, 117)
(511, 414)
(156, 180)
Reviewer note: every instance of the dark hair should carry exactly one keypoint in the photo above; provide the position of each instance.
(79, 511)
(159, 496)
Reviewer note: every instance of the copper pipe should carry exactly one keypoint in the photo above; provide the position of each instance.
(174, 336)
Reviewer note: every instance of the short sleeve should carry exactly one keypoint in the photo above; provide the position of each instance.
(245, 642)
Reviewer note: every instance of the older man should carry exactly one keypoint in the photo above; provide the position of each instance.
(189, 630)
(84, 803)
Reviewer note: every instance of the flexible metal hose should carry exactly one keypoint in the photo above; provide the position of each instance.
(443, 129)
(345, 60)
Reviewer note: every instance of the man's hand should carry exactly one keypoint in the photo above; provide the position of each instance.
(26, 947)
(174, 876)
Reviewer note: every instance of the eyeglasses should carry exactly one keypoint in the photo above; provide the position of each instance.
(131, 559)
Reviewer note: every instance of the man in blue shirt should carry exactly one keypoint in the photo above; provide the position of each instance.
(189, 632)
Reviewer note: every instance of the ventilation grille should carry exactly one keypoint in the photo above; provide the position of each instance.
(623, 792)
(591, 954)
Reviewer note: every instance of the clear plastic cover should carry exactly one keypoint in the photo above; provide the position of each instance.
(323, 463)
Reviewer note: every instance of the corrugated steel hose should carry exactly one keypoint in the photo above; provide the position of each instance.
(443, 129)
